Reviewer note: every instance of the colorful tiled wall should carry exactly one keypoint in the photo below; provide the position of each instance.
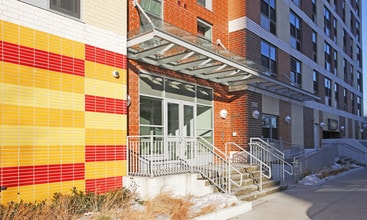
(62, 113)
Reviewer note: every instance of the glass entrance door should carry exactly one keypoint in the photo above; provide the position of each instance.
(180, 129)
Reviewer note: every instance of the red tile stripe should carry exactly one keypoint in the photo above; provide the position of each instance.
(32, 57)
(102, 56)
(105, 153)
(40, 174)
(105, 105)
(103, 184)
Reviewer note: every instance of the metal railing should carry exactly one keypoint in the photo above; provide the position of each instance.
(242, 156)
(290, 150)
(271, 156)
(325, 156)
(153, 156)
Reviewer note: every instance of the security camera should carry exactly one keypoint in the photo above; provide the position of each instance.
(116, 74)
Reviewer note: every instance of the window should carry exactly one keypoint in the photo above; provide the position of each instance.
(297, 2)
(315, 78)
(295, 31)
(352, 101)
(345, 99)
(336, 92)
(153, 7)
(327, 57)
(345, 70)
(343, 6)
(327, 91)
(67, 7)
(327, 22)
(359, 57)
(359, 106)
(335, 62)
(314, 11)
(295, 74)
(268, 15)
(268, 57)
(359, 81)
(269, 126)
(358, 32)
(204, 30)
(314, 45)
(205, 3)
(335, 30)
(351, 75)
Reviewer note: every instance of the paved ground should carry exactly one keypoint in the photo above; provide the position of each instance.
(345, 197)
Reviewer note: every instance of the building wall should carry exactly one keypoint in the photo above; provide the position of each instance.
(60, 125)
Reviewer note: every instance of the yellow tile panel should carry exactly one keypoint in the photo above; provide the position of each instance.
(43, 98)
(41, 40)
(10, 32)
(79, 50)
(41, 78)
(103, 72)
(95, 170)
(104, 121)
(67, 47)
(27, 37)
(54, 44)
(42, 136)
(98, 88)
(105, 136)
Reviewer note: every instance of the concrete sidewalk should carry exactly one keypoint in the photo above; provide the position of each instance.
(344, 197)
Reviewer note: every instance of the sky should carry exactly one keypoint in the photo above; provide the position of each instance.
(364, 54)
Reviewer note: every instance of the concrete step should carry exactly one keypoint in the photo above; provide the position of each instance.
(256, 194)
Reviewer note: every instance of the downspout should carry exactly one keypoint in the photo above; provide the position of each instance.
(136, 4)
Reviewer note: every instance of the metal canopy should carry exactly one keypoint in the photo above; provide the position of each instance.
(172, 48)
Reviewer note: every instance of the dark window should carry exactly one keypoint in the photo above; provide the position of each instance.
(295, 74)
(268, 57)
(295, 31)
(69, 7)
(327, 91)
(270, 126)
(315, 78)
(268, 15)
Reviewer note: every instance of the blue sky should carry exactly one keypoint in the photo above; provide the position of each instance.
(364, 51)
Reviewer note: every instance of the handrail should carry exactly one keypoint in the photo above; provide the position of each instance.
(172, 155)
(271, 156)
(260, 163)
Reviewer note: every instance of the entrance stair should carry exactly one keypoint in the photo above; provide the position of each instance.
(250, 188)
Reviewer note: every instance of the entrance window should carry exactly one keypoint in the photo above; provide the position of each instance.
(270, 126)
(175, 108)
(151, 122)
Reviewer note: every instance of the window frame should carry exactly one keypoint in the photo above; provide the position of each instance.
(271, 60)
(47, 5)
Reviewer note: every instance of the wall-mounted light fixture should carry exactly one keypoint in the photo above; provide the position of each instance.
(342, 128)
(322, 124)
(361, 130)
(287, 119)
(128, 101)
(116, 74)
(223, 113)
(255, 114)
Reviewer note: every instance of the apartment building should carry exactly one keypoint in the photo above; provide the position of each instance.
(231, 70)
(62, 97)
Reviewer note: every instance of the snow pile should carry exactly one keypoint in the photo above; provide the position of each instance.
(219, 200)
(326, 173)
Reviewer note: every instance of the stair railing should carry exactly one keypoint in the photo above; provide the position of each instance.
(271, 156)
(242, 156)
(153, 156)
